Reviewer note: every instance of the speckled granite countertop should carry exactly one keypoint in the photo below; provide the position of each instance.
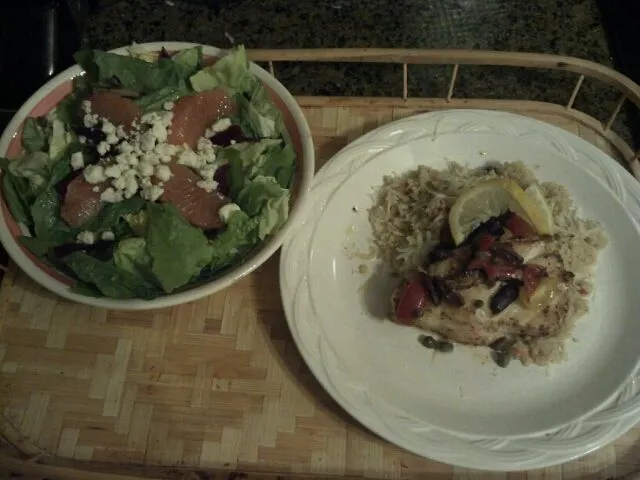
(567, 27)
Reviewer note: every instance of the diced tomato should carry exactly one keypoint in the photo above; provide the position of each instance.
(484, 242)
(532, 275)
(411, 301)
(496, 271)
(518, 226)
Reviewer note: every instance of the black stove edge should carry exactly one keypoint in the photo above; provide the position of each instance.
(621, 19)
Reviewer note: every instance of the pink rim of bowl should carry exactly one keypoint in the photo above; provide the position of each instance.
(50, 94)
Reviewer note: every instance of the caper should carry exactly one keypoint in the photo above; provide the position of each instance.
(502, 358)
(428, 341)
(444, 346)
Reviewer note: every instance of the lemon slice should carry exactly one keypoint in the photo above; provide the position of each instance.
(494, 197)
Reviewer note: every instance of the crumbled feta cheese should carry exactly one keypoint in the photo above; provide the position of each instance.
(86, 237)
(163, 173)
(145, 169)
(145, 182)
(159, 131)
(90, 120)
(96, 188)
(165, 149)
(226, 211)
(113, 171)
(111, 196)
(77, 161)
(221, 125)
(94, 174)
(151, 158)
(82, 139)
(103, 148)
(108, 236)
(166, 118)
(204, 145)
(112, 139)
(207, 173)
(232, 142)
(108, 127)
(86, 106)
(119, 183)
(168, 105)
(147, 141)
(190, 159)
(207, 185)
(148, 118)
(120, 132)
(152, 193)
(125, 147)
(131, 187)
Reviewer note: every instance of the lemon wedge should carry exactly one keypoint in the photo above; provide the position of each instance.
(494, 197)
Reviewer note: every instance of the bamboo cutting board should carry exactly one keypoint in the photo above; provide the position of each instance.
(215, 385)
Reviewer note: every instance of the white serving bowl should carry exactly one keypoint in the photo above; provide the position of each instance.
(50, 94)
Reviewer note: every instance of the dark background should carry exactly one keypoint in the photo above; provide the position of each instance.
(38, 37)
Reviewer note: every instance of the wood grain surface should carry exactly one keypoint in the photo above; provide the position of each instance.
(216, 385)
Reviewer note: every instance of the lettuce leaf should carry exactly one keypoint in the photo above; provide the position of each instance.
(132, 256)
(236, 240)
(178, 250)
(231, 72)
(35, 134)
(111, 70)
(265, 201)
(110, 280)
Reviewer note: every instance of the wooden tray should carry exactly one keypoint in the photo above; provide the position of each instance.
(216, 387)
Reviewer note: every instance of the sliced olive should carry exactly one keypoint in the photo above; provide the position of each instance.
(504, 297)
(431, 285)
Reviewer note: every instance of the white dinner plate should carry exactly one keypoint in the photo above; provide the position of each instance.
(459, 408)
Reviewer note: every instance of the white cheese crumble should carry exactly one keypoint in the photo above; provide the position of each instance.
(145, 169)
(226, 211)
(221, 125)
(90, 120)
(103, 148)
(108, 127)
(207, 173)
(152, 192)
(190, 159)
(163, 173)
(168, 105)
(86, 237)
(207, 185)
(112, 139)
(113, 171)
(111, 196)
(86, 106)
(94, 174)
(108, 236)
(77, 161)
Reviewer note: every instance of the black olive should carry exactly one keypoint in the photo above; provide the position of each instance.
(502, 344)
(428, 341)
(416, 312)
(454, 299)
(504, 297)
(493, 227)
(502, 359)
(478, 303)
(439, 252)
(432, 289)
(444, 347)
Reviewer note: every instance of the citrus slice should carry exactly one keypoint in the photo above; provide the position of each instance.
(492, 198)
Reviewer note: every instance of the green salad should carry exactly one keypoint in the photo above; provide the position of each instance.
(138, 242)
